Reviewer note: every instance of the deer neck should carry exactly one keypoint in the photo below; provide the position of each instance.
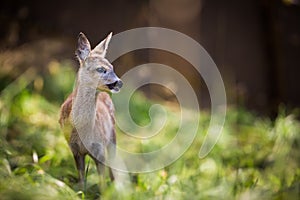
(84, 108)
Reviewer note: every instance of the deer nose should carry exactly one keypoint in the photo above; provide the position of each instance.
(119, 83)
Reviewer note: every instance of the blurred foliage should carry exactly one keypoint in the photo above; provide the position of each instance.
(255, 158)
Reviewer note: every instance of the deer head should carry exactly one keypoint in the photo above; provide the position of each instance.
(95, 70)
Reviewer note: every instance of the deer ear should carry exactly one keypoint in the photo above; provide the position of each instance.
(101, 48)
(83, 47)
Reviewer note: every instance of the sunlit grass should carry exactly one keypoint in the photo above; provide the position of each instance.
(255, 158)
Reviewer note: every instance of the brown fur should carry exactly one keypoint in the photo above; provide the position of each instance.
(87, 115)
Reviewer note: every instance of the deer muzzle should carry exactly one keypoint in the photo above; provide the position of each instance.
(115, 86)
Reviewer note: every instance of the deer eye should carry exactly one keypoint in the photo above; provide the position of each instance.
(101, 70)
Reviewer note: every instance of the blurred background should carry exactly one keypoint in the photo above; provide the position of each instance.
(255, 43)
(256, 47)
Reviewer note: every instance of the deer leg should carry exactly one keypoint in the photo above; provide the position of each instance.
(80, 165)
(80, 162)
(111, 174)
(111, 150)
(98, 155)
(101, 172)
(111, 154)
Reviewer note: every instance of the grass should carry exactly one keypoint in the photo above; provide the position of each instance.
(255, 158)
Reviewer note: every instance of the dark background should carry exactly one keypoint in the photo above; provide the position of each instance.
(255, 43)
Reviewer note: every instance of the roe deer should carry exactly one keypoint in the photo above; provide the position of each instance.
(87, 115)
